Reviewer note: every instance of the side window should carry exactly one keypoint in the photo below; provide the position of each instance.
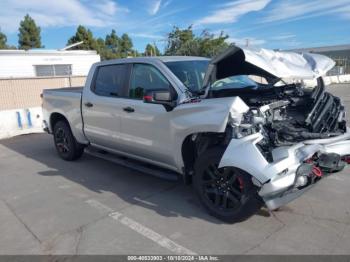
(110, 80)
(146, 77)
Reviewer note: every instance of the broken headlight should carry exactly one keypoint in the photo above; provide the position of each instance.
(247, 123)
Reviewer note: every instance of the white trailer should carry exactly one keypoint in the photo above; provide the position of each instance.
(46, 63)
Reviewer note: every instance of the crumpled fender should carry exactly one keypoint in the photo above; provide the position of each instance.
(244, 154)
(207, 115)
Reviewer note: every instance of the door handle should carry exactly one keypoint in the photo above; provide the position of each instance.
(129, 109)
(88, 104)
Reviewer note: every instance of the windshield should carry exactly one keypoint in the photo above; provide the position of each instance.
(190, 73)
(234, 82)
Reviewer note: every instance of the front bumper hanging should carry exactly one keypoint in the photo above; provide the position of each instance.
(294, 169)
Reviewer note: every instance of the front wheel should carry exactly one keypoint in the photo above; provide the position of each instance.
(227, 193)
(66, 145)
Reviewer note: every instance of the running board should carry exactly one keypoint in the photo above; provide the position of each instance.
(134, 164)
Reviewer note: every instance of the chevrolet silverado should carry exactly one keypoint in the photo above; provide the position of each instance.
(242, 127)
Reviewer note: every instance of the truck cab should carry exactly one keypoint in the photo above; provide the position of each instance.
(117, 114)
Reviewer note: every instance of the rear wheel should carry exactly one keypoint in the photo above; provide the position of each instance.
(66, 145)
(228, 193)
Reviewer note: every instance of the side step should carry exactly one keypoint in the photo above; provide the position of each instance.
(134, 164)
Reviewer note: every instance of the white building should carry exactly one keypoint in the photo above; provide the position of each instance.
(23, 76)
(40, 63)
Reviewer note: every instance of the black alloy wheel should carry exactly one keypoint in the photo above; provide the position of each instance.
(228, 193)
(223, 187)
(66, 145)
(61, 140)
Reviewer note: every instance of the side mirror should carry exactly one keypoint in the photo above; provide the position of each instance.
(162, 97)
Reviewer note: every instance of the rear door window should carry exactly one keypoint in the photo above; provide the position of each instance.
(110, 80)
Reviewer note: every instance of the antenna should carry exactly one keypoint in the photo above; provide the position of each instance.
(70, 46)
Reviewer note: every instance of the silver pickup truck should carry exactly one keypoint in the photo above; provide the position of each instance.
(242, 127)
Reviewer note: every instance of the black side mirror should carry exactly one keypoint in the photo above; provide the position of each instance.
(162, 97)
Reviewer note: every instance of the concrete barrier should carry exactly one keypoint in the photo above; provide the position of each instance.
(329, 80)
(20, 121)
(344, 78)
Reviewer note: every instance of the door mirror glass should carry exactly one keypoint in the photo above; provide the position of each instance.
(163, 97)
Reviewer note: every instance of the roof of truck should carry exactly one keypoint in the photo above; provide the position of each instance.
(153, 58)
(178, 58)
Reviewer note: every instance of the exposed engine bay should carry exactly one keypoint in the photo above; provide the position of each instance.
(288, 114)
(284, 134)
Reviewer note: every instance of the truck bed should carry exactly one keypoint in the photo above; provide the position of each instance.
(78, 89)
(67, 102)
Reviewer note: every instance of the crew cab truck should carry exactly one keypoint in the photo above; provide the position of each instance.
(241, 142)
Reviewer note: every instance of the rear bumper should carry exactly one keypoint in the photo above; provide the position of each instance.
(278, 180)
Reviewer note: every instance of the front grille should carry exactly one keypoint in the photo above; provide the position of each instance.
(325, 114)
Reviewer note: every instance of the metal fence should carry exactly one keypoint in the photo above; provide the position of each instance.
(25, 92)
(342, 67)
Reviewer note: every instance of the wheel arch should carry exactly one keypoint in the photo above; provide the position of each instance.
(74, 124)
(55, 117)
(188, 148)
(196, 143)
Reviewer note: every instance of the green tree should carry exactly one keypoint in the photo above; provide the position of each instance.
(184, 42)
(85, 35)
(209, 45)
(112, 46)
(151, 50)
(3, 41)
(180, 41)
(102, 50)
(112, 41)
(109, 48)
(137, 53)
(29, 34)
(100, 44)
(125, 45)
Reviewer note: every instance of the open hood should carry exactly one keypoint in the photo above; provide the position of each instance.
(267, 63)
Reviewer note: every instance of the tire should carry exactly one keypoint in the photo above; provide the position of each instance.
(227, 193)
(66, 145)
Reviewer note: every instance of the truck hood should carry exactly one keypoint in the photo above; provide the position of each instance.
(267, 63)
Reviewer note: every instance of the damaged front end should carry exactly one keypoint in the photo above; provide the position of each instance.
(286, 136)
(284, 168)
(286, 187)
(315, 114)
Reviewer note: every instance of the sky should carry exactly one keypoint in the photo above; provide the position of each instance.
(277, 24)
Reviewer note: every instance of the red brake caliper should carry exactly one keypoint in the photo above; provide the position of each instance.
(241, 183)
(317, 171)
(346, 159)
